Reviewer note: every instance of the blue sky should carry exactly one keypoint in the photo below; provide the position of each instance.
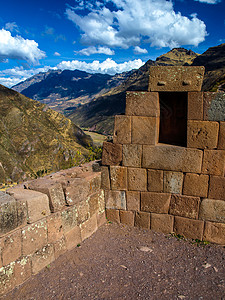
(101, 35)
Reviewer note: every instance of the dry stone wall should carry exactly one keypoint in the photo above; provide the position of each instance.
(43, 218)
(167, 187)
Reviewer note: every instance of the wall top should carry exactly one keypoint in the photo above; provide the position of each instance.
(176, 79)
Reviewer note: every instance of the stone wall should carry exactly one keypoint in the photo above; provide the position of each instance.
(43, 218)
(163, 187)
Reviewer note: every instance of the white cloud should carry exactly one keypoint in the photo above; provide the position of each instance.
(93, 50)
(10, 77)
(139, 50)
(57, 54)
(134, 21)
(108, 66)
(19, 48)
(12, 27)
(209, 1)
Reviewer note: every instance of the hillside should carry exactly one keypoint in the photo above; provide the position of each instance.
(214, 61)
(64, 90)
(99, 114)
(35, 140)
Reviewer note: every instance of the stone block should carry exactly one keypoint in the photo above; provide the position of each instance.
(21, 212)
(142, 220)
(172, 158)
(59, 247)
(111, 154)
(162, 223)
(101, 219)
(214, 106)
(176, 79)
(113, 215)
(221, 142)
(22, 270)
(83, 212)
(101, 201)
(115, 199)
(73, 237)
(213, 162)
(55, 228)
(214, 233)
(184, 206)
(105, 182)
(155, 180)
(8, 213)
(189, 228)
(94, 180)
(132, 155)
(133, 200)
(202, 134)
(34, 237)
(173, 182)
(144, 130)
(89, 227)
(93, 203)
(127, 217)
(196, 185)
(155, 202)
(142, 104)
(195, 106)
(37, 203)
(217, 188)
(78, 190)
(212, 210)
(69, 218)
(52, 189)
(122, 130)
(42, 258)
(7, 278)
(118, 177)
(11, 247)
(137, 179)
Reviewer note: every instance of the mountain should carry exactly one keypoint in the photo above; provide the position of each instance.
(34, 139)
(214, 61)
(99, 114)
(64, 90)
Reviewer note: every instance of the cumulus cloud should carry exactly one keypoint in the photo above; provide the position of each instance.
(10, 77)
(19, 48)
(108, 66)
(139, 50)
(93, 50)
(134, 21)
(209, 1)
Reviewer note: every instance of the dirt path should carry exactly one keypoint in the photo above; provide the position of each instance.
(118, 262)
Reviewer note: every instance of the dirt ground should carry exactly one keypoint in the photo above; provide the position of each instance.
(119, 262)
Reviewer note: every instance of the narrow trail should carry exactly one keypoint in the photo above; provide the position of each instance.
(119, 262)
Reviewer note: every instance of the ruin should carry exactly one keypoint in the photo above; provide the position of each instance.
(165, 167)
(164, 171)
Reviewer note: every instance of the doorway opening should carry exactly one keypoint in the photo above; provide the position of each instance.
(173, 118)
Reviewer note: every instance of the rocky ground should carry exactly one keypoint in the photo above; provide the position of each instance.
(119, 262)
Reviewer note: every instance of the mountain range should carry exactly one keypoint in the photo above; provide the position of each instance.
(92, 100)
(34, 139)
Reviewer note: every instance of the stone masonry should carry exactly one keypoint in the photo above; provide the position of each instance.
(165, 168)
(43, 218)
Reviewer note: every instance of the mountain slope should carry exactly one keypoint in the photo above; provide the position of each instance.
(34, 139)
(62, 90)
(214, 61)
(99, 114)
